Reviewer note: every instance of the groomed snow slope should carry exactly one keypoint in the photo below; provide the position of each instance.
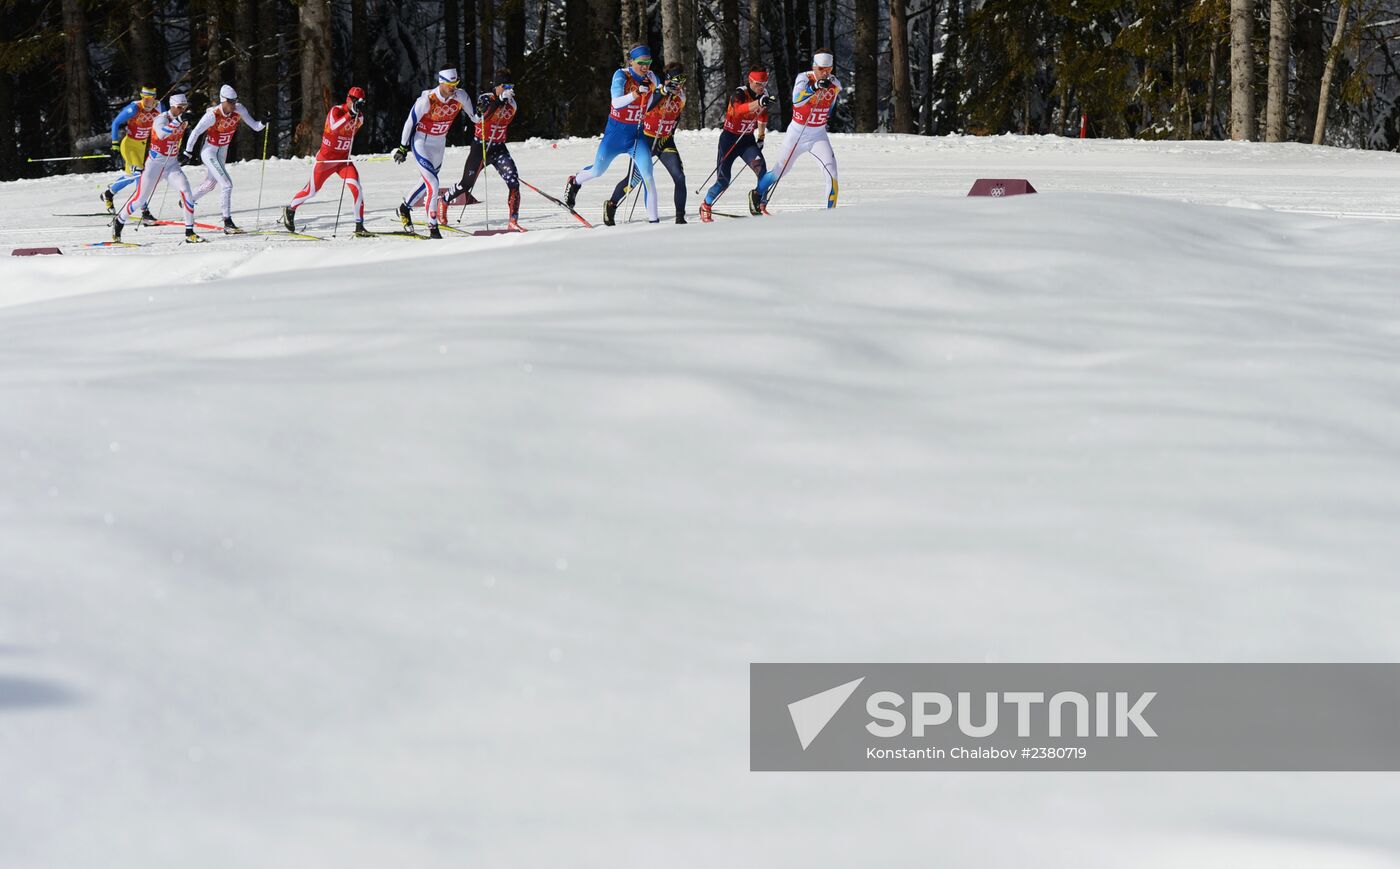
(371, 553)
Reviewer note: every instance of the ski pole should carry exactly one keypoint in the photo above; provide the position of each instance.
(633, 210)
(339, 203)
(557, 201)
(341, 200)
(717, 165)
(262, 176)
(485, 182)
(787, 164)
(467, 193)
(63, 159)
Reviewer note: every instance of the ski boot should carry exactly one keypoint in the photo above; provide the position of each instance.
(231, 228)
(706, 214)
(571, 190)
(361, 232)
(289, 218)
(117, 227)
(609, 213)
(107, 202)
(433, 232)
(513, 225)
(147, 218)
(191, 238)
(405, 217)
(755, 204)
(680, 218)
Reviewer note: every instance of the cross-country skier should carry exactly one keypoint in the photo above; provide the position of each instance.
(497, 108)
(745, 125)
(337, 137)
(813, 96)
(130, 131)
(217, 125)
(659, 139)
(425, 133)
(631, 89)
(163, 162)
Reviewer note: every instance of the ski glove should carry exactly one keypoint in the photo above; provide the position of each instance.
(400, 154)
(483, 103)
(643, 90)
(117, 155)
(825, 84)
(767, 101)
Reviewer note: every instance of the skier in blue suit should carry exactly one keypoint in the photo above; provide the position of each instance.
(633, 87)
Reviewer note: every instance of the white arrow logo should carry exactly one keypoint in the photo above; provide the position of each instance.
(811, 715)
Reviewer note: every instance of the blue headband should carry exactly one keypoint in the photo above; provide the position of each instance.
(639, 52)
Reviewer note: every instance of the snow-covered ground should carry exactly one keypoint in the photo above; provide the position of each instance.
(365, 553)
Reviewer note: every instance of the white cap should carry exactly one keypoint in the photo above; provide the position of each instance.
(446, 75)
(227, 93)
(823, 60)
(178, 100)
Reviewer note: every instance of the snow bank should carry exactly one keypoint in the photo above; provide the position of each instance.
(356, 555)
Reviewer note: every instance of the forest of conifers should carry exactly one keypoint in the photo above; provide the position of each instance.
(1176, 69)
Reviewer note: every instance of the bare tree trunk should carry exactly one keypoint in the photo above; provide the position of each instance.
(802, 15)
(487, 37)
(670, 30)
(867, 84)
(591, 28)
(1062, 123)
(314, 27)
(515, 34)
(926, 64)
(452, 33)
(245, 39)
(1242, 70)
(1324, 96)
(9, 159)
(147, 58)
(729, 42)
(630, 30)
(359, 43)
(1276, 113)
(781, 69)
(78, 88)
(756, 33)
(902, 108)
(792, 57)
(470, 41)
(269, 82)
(214, 53)
(1212, 90)
(1310, 53)
(687, 10)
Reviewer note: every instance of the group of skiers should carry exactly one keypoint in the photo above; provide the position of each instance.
(642, 119)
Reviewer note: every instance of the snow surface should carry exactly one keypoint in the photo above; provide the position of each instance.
(366, 553)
